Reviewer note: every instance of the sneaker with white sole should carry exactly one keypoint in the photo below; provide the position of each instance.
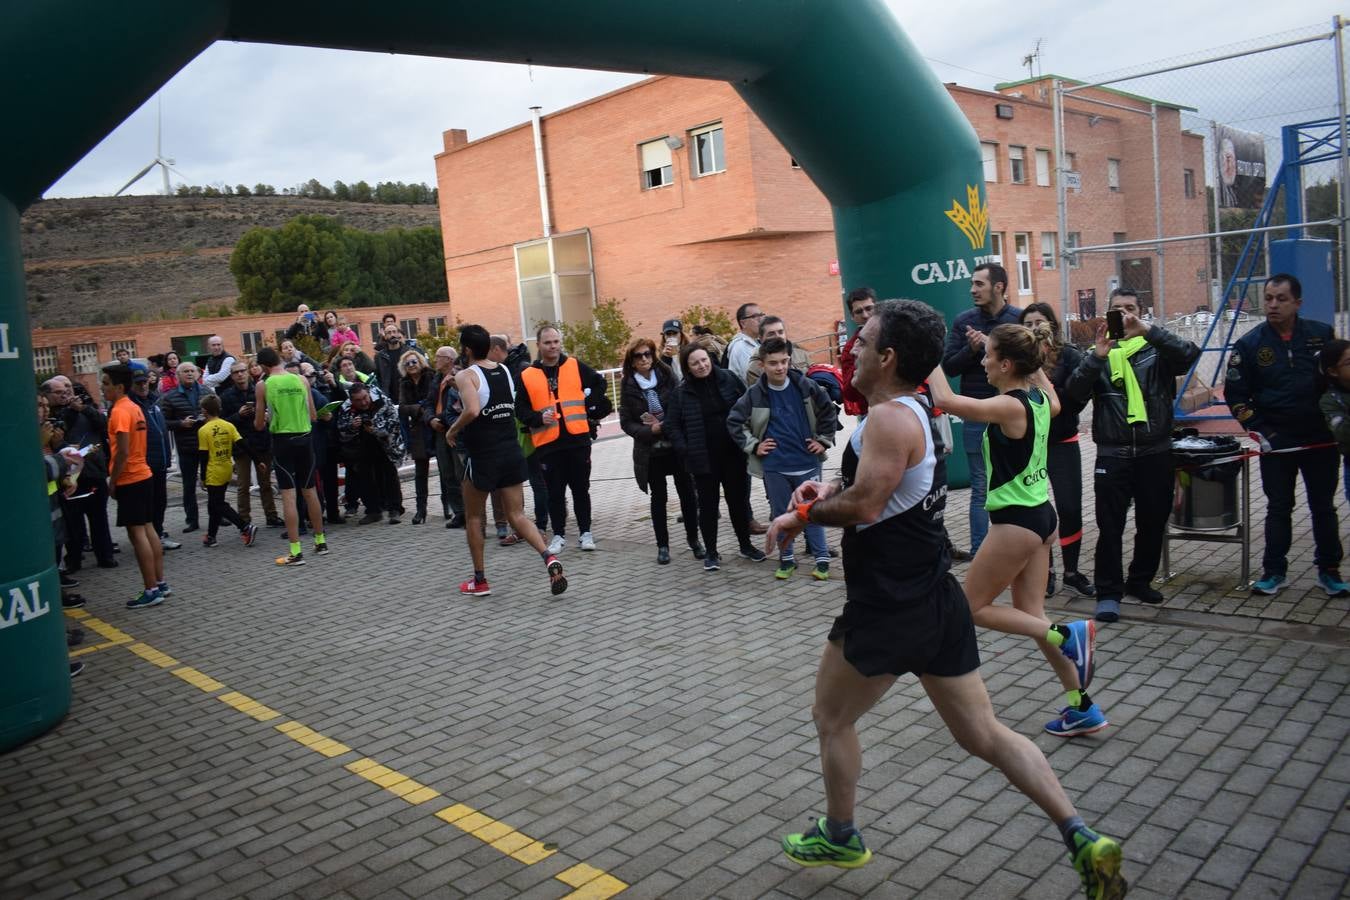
(169, 544)
(1072, 722)
(1330, 580)
(1270, 585)
(587, 541)
(556, 545)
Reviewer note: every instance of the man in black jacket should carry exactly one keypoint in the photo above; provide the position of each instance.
(237, 408)
(1132, 386)
(1272, 388)
(183, 416)
(84, 425)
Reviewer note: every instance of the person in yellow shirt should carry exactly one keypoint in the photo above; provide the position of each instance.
(216, 440)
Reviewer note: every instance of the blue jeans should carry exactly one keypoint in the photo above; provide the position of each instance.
(972, 433)
(779, 487)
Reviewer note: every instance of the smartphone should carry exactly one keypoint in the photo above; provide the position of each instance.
(1115, 325)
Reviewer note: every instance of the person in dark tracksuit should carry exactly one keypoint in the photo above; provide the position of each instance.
(1272, 387)
(1132, 386)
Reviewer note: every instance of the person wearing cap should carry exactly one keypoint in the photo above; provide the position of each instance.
(671, 343)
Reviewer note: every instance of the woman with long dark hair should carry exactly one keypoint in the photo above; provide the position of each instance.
(697, 424)
(414, 391)
(1065, 459)
(644, 397)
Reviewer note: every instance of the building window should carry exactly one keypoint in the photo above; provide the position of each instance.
(85, 358)
(1188, 183)
(376, 335)
(1071, 162)
(990, 154)
(996, 247)
(1072, 241)
(556, 281)
(656, 166)
(706, 144)
(44, 360)
(1017, 163)
(1113, 174)
(1022, 250)
(1048, 241)
(437, 325)
(409, 329)
(1043, 168)
(794, 163)
(1119, 237)
(129, 346)
(252, 342)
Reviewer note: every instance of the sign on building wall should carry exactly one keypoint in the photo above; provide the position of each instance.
(1241, 167)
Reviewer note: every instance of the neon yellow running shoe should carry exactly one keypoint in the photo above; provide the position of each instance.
(1097, 860)
(814, 848)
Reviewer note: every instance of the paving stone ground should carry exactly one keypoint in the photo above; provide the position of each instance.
(651, 728)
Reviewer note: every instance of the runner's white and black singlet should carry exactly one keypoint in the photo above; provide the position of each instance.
(903, 555)
(495, 427)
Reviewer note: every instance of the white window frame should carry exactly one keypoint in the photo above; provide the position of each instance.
(46, 360)
(129, 346)
(1073, 239)
(1049, 243)
(251, 342)
(989, 156)
(528, 328)
(652, 152)
(1042, 168)
(1113, 174)
(409, 329)
(84, 358)
(996, 247)
(1017, 164)
(718, 165)
(438, 324)
(1022, 254)
(1188, 183)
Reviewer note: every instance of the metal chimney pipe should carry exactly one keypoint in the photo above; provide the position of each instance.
(539, 170)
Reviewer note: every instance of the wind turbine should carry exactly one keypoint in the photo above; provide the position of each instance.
(165, 164)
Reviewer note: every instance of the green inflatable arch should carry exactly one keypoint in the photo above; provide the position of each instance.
(838, 83)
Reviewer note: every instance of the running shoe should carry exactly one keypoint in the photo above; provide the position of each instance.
(76, 667)
(1097, 860)
(249, 534)
(1051, 585)
(786, 569)
(164, 589)
(169, 544)
(370, 518)
(712, 562)
(556, 545)
(72, 601)
(1078, 581)
(1073, 722)
(67, 581)
(1081, 649)
(821, 572)
(1270, 585)
(814, 848)
(1330, 580)
(320, 548)
(147, 598)
(557, 582)
(209, 540)
(754, 554)
(587, 541)
(475, 588)
(293, 559)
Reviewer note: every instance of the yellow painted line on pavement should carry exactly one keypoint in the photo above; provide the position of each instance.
(248, 706)
(589, 882)
(92, 648)
(198, 679)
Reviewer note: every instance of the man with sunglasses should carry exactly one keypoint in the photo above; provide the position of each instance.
(745, 344)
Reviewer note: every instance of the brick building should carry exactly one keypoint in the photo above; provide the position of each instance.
(671, 192)
(82, 350)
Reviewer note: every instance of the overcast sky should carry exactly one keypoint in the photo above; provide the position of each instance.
(243, 113)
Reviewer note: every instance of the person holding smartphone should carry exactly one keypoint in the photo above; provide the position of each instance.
(1132, 383)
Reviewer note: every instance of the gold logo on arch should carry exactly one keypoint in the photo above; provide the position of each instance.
(972, 219)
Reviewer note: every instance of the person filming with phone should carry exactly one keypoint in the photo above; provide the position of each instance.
(1131, 376)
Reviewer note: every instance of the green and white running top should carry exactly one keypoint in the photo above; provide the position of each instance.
(287, 399)
(1015, 469)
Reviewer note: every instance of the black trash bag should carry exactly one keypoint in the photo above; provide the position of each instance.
(1193, 456)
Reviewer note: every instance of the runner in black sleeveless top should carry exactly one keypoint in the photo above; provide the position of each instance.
(487, 428)
(904, 612)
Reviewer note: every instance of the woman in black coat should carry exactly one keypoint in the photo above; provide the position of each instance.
(644, 396)
(414, 391)
(696, 423)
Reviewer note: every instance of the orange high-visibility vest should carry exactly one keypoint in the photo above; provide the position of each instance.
(570, 397)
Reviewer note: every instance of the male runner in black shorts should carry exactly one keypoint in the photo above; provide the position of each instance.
(487, 429)
(904, 611)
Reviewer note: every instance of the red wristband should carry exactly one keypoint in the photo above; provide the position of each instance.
(804, 511)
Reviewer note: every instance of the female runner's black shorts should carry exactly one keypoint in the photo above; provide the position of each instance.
(1040, 519)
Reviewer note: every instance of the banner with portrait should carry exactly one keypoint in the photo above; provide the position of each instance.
(1241, 167)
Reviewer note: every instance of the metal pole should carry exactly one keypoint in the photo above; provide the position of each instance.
(1344, 168)
(1061, 209)
(1160, 313)
(540, 173)
(1218, 231)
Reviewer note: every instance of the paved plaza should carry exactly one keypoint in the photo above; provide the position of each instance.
(356, 728)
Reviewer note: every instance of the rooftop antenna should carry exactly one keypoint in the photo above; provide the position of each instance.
(1033, 60)
(165, 164)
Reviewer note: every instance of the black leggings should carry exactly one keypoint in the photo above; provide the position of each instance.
(731, 479)
(1065, 462)
(668, 464)
(218, 508)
